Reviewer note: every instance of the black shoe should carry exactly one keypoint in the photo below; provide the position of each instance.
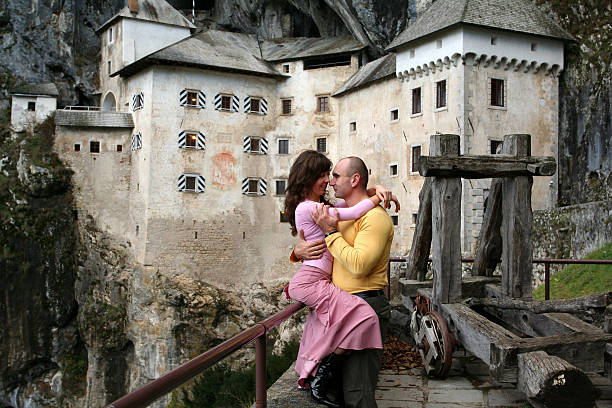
(324, 387)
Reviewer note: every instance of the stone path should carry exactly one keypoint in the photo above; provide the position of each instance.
(468, 386)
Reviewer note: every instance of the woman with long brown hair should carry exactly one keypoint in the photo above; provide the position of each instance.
(338, 321)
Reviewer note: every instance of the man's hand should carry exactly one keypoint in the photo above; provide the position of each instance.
(309, 250)
(326, 222)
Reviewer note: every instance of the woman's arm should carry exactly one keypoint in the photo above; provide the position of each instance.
(356, 211)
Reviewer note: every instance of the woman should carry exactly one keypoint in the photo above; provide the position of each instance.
(337, 321)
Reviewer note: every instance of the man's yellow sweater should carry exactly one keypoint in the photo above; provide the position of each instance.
(361, 251)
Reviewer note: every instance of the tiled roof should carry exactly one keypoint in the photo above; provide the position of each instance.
(373, 71)
(284, 49)
(36, 89)
(93, 119)
(210, 49)
(515, 15)
(152, 10)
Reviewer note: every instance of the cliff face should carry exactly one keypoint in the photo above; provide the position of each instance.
(82, 321)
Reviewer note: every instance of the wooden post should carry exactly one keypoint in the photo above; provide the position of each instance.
(446, 225)
(421, 240)
(517, 252)
(490, 241)
(550, 381)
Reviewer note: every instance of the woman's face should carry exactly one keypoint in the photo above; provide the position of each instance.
(320, 186)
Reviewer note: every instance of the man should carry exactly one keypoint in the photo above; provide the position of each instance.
(361, 254)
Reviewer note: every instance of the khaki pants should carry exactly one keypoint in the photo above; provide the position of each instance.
(360, 368)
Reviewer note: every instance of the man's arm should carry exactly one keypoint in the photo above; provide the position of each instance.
(307, 250)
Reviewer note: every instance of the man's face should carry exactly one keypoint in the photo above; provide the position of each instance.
(341, 179)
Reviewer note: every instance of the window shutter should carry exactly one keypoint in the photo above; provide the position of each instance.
(263, 146)
(247, 104)
(201, 100)
(217, 101)
(264, 106)
(182, 139)
(235, 103)
(263, 187)
(136, 141)
(246, 146)
(200, 184)
(245, 185)
(201, 143)
(181, 182)
(183, 97)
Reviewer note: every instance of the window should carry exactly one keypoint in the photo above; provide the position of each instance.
(94, 147)
(283, 146)
(352, 126)
(119, 148)
(108, 67)
(254, 186)
(438, 43)
(255, 105)
(256, 145)
(496, 147)
(412, 53)
(281, 185)
(136, 141)
(416, 101)
(77, 147)
(323, 104)
(286, 68)
(192, 98)
(286, 106)
(415, 155)
(322, 144)
(226, 102)
(110, 36)
(32, 106)
(283, 217)
(441, 94)
(394, 115)
(415, 217)
(393, 169)
(327, 61)
(191, 183)
(493, 40)
(395, 219)
(137, 101)
(497, 92)
(534, 47)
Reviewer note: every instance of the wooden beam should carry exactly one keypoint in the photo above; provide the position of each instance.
(517, 223)
(446, 227)
(549, 381)
(584, 350)
(421, 240)
(596, 300)
(477, 167)
(490, 241)
(471, 286)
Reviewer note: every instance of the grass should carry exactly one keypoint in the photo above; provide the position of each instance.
(579, 280)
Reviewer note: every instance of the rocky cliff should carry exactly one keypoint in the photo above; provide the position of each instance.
(78, 312)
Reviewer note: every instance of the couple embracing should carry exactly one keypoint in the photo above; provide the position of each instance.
(345, 252)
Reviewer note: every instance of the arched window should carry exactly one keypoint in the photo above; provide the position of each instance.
(109, 103)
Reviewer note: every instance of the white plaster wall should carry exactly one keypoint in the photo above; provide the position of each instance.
(141, 38)
(22, 118)
(426, 50)
(113, 52)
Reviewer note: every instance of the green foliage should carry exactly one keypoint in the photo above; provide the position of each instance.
(222, 387)
(579, 280)
(75, 372)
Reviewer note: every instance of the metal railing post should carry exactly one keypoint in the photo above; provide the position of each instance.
(546, 281)
(260, 372)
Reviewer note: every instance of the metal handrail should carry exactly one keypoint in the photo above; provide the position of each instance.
(148, 393)
(546, 261)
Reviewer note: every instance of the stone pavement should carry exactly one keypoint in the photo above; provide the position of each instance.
(467, 386)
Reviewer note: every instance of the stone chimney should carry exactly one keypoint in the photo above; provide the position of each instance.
(133, 5)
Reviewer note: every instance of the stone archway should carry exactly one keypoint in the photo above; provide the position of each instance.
(109, 103)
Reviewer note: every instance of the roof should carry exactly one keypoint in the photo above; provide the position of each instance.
(373, 71)
(36, 89)
(284, 49)
(516, 15)
(158, 11)
(94, 119)
(211, 49)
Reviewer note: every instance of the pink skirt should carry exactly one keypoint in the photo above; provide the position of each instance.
(335, 319)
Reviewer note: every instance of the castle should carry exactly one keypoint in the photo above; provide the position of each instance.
(187, 158)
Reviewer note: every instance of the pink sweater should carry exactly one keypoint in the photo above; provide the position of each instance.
(312, 232)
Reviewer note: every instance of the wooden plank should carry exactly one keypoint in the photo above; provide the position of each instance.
(446, 228)
(471, 286)
(517, 252)
(573, 323)
(477, 167)
(549, 381)
(584, 350)
(592, 301)
(421, 240)
(489, 248)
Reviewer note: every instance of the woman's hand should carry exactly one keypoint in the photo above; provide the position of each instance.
(384, 195)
